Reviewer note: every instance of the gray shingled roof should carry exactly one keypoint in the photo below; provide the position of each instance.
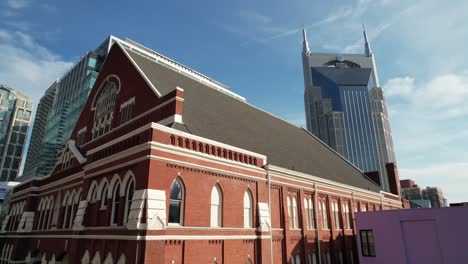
(211, 114)
(344, 76)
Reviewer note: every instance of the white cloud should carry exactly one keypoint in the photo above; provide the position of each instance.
(400, 86)
(442, 97)
(28, 66)
(430, 130)
(17, 4)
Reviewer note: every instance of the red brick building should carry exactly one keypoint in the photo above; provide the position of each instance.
(167, 166)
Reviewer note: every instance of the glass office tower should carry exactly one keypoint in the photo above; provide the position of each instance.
(345, 107)
(15, 117)
(60, 108)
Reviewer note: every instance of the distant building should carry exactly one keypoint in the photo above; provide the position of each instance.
(422, 198)
(458, 204)
(5, 191)
(37, 147)
(435, 196)
(15, 117)
(345, 107)
(430, 235)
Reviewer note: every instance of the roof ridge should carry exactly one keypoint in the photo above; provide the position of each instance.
(180, 68)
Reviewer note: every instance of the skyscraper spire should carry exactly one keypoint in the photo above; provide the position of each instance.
(366, 44)
(305, 43)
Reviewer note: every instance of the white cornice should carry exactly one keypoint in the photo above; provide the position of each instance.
(147, 237)
(299, 176)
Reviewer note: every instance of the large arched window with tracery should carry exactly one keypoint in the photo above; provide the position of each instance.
(104, 109)
(176, 200)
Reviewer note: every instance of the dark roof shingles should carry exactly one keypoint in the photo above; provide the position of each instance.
(211, 114)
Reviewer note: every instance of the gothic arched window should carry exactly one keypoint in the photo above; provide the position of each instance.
(176, 202)
(248, 212)
(128, 204)
(116, 204)
(216, 207)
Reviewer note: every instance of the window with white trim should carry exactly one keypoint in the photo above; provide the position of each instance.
(115, 205)
(66, 160)
(126, 111)
(336, 214)
(176, 200)
(80, 137)
(290, 212)
(309, 212)
(347, 216)
(363, 208)
(128, 201)
(103, 112)
(105, 190)
(216, 207)
(248, 209)
(294, 207)
(324, 214)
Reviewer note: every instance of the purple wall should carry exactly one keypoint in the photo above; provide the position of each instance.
(413, 236)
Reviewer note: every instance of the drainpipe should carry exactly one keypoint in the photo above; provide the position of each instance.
(269, 211)
(317, 232)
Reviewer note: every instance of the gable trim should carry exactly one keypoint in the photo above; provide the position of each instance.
(139, 70)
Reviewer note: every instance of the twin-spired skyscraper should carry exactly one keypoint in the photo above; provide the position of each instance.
(345, 107)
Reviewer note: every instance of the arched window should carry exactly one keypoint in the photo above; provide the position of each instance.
(128, 202)
(115, 204)
(74, 199)
(68, 210)
(121, 259)
(51, 211)
(96, 259)
(310, 213)
(248, 212)
(306, 211)
(103, 113)
(294, 205)
(298, 259)
(324, 214)
(216, 207)
(291, 260)
(176, 199)
(105, 190)
(56, 211)
(85, 258)
(290, 213)
(108, 259)
(314, 258)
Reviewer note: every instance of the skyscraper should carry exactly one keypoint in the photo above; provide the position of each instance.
(59, 109)
(15, 117)
(345, 107)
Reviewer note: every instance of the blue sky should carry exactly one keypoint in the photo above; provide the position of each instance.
(254, 47)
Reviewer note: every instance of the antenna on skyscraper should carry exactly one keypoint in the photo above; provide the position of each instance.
(366, 42)
(305, 43)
